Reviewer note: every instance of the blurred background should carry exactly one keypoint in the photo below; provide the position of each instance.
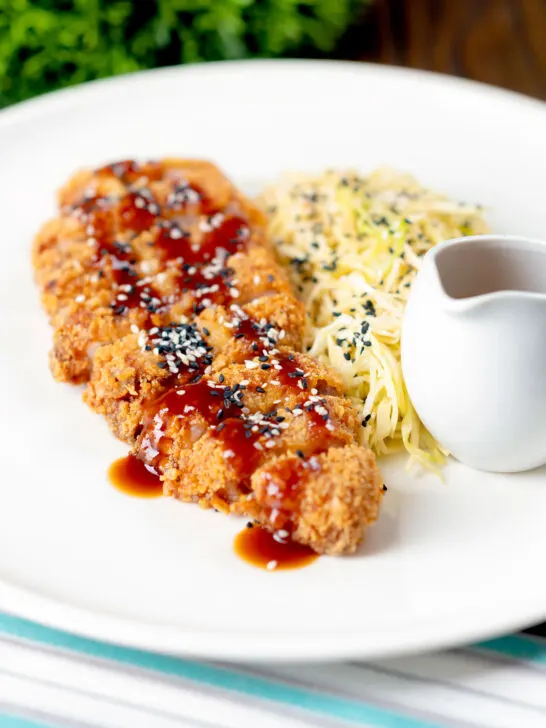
(49, 44)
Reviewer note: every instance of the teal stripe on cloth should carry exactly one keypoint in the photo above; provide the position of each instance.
(519, 647)
(217, 677)
(13, 721)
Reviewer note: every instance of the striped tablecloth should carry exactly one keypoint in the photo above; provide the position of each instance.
(51, 678)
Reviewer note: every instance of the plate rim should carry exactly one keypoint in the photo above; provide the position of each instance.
(273, 648)
(35, 105)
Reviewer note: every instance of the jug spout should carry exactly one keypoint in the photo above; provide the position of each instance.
(474, 351)
(474, 271)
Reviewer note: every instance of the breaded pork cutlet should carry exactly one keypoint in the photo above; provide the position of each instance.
(111, 261)
(205, 381)
(267, 434)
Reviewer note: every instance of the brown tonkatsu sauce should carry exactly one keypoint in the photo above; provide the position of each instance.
(265, 550)
(200, 269)
(132, 476)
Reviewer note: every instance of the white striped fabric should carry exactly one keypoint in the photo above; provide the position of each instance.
(50, 678)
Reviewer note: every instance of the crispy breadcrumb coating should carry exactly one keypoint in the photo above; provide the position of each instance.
(165, 297)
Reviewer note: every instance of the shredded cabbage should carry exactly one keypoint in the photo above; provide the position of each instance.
(353, 246)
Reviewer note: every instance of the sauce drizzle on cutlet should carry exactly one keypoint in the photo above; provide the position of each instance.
(200, 269)
(222, 409)
(246, 436)
(284, 482)
(223, 236)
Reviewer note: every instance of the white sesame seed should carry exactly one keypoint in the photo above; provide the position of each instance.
(272, 565)
(80, 298)
(217, 220)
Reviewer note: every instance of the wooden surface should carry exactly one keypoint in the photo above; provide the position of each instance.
(502, 42)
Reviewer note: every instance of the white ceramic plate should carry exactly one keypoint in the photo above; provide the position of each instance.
(447, 562)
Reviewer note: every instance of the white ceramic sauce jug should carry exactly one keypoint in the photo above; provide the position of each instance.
(474, 350)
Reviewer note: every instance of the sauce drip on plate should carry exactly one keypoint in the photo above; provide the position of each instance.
(260, 548)
(131, 476)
